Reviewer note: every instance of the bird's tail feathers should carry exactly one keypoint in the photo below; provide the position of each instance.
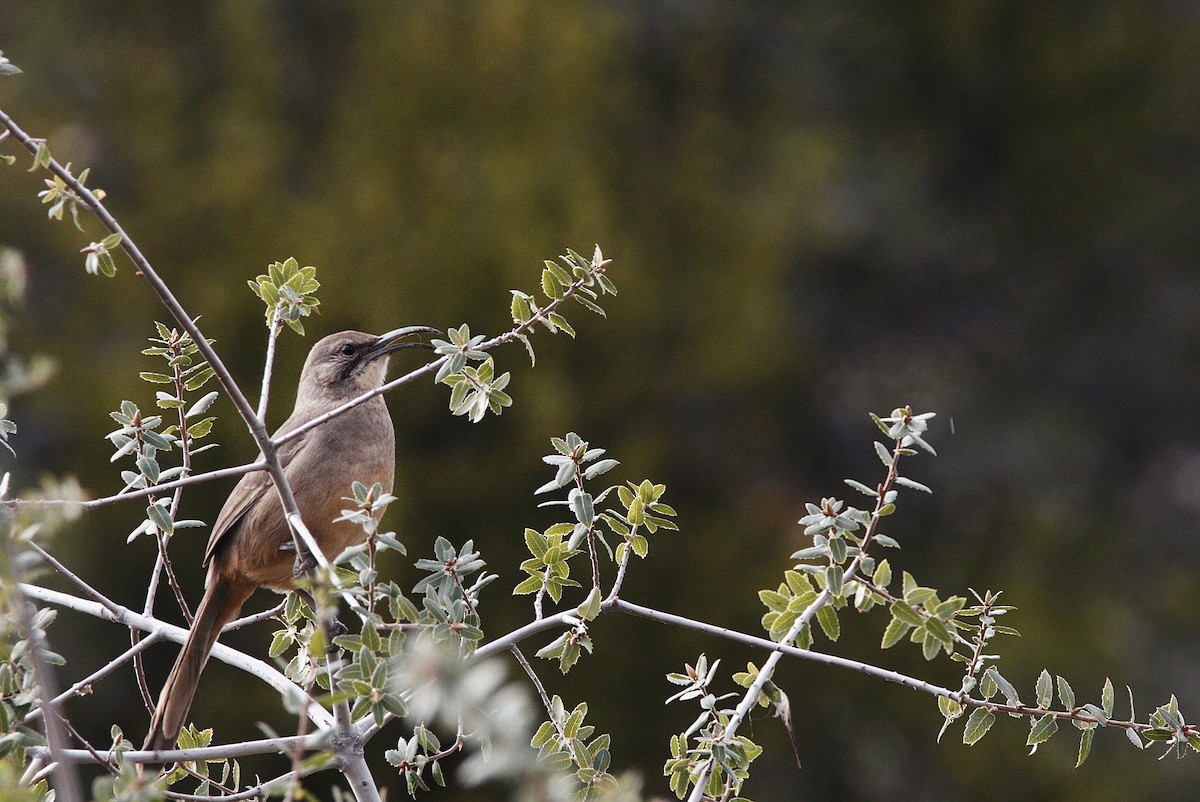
(222, 601)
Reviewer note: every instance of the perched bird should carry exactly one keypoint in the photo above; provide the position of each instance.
(251, 544)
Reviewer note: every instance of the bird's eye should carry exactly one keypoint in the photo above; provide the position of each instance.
(346, 349)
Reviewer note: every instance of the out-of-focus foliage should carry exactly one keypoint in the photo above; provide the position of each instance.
(818, 209)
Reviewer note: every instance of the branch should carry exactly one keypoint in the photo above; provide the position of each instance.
(269, 364)
(123, 615)
(75, 580)
(253, 423)
(501, 339)
(100, 674)
(66, 781)
(127, 495)
(264, 746)
(358, 774)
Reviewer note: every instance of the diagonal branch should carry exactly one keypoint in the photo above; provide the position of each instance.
(253, 423)
(123, 615)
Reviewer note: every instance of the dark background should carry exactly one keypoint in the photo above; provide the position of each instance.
(817, 210)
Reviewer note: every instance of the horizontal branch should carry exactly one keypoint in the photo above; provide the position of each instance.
(317, 740)
(629, 608)
(123, 615)
(1076, 714)
(506, 642)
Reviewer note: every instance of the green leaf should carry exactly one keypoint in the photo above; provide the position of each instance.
(883, 575)
(978, 724)
(1042, 730)
(550, 287)
(937, 630)
(861, 488)
(1085, 746)
(895, 632)
(520, 308)
(1106, 697)
(905, 482)
(1065, 694)
(903, 612)
(202, 404)
(198, 379)
(833, 579)
(1006, 687)
(827, 618)
(155, 378)
(159, 516)
(591, 607)
(773, 600)
(1045, 689)
(200, 428)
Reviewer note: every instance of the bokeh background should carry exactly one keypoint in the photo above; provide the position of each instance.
(816, 209)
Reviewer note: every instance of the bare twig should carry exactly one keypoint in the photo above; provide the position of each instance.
(537, 683)
(84, 684)
(254, 618)
(75, 580)
(269, 364)
(130, 495)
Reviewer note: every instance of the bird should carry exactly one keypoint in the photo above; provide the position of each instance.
(250, 545)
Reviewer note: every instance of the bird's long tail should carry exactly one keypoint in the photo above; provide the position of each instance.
(222, 601)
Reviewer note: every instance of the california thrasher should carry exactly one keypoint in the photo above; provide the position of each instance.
(250, 545)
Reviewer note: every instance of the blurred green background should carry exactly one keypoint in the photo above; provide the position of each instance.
(816, 209)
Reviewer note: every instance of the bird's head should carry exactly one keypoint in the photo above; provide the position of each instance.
(350, 363)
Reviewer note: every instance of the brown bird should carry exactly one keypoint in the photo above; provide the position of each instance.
(250, 545)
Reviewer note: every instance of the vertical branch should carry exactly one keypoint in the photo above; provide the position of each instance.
(272, 335)
(66, 777)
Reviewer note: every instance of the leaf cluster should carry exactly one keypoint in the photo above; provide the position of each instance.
(565, 741)
(288, 292)
(728, 755)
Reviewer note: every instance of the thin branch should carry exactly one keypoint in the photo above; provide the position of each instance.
(537, 683)
(407, 378)
(254, 618)
(75, 580)
(129, 495)
(253, 423)
(269, 364)
(97, 675)
(265, 746)
(505, 642)
(30, 777)
(614, 594)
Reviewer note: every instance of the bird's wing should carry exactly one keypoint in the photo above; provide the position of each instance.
(252, 487)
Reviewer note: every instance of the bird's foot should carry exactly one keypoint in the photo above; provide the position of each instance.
(304, 565)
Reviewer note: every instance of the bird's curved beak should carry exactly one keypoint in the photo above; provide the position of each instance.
(388, 343)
